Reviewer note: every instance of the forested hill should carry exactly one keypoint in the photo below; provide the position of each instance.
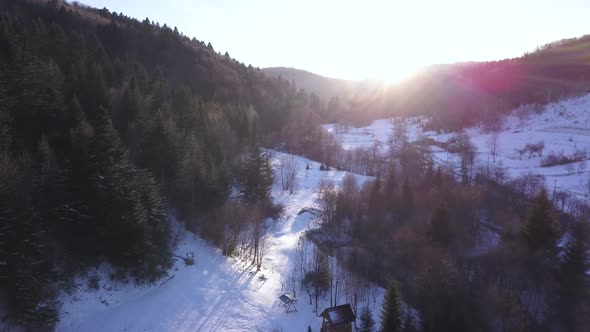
(324, 87)
(341, 100)
(107, 123)
(461, 94)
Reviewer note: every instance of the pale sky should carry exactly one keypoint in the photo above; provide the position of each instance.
(365, 38)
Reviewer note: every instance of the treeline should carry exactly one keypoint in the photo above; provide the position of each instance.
(460, 95)
(107, 124)
(472, 251)
(467, 94)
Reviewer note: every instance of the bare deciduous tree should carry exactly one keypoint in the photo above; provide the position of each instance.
(529, 184)
(498, 173)
(288, 173)
(258, 241)
(229, 215)
(493, 144)
(337, 276)
(535, 148)
(328, 200)
(399, 136)
(467, 153)
(520, 152)
(355, 288)
(562, 197)
(317, 278)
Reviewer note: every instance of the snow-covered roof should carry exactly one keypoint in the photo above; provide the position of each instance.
(339, 315)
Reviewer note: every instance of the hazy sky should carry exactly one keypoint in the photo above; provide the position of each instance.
(368, 38)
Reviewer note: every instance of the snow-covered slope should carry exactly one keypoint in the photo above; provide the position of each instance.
(217, 293)
(564, 127)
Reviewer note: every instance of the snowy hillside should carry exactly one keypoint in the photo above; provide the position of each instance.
(217, 293)
(564, 128)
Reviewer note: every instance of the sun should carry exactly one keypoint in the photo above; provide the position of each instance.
(393, 73)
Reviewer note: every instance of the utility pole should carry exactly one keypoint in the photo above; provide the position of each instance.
(488, 175)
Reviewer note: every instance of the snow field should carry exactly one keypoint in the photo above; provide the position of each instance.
(563, 126)
(217, 293)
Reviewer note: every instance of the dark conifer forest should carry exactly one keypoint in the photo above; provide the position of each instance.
(106, 125)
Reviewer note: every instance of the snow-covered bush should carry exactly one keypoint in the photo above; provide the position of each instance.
(553, 158)
(94, 282)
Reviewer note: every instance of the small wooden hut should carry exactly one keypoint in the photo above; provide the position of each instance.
(338, 319)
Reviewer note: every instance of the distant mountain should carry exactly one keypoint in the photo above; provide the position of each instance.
(461, 94)
(343, 100)
(323, 87)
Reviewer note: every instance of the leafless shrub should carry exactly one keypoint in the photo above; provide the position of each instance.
(562, 197)
(529, 184)
(94, 282)
(533, 149)
(520, 152)
(288, 173)
(493, 144)
(553, 159)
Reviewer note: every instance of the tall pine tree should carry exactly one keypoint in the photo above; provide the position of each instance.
(540, 232)
(367, 321)
(440, 232)
(391, 310)
(572, 276)
(257, 176)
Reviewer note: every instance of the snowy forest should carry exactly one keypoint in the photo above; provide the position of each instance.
(112, 127)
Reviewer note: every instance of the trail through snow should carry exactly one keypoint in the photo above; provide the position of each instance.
(217, 293)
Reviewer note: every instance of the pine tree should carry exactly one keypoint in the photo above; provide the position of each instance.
(438, 177)
(540, 232)
(376, 203)
(407, 198)
(439, 294)
(440, 232)
(107, 151)
(160, 147)
(391, 310)
(367, 321)
(95, 91)
(39, 108)
(5, 119)
(153, 246)
(25, 248)
(191, 174)
(409, 323)
(49, 183)
(257, 176)
(572, 276)
(576, 260)
(76, 225)
(391, 181)
(130, 109)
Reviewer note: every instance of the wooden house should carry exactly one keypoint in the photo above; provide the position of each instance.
(338, 319)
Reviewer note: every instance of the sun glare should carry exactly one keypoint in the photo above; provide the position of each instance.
(395, 72)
